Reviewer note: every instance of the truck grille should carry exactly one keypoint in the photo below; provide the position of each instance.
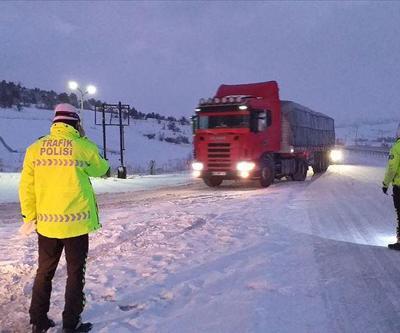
(219, 156)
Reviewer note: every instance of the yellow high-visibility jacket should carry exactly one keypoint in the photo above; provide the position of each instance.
(392, 174)
(55, 189)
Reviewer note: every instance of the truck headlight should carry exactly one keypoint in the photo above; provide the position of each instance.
(336, 155)
(244, 174)
(245, 166)
(196, 174)
(197, 166)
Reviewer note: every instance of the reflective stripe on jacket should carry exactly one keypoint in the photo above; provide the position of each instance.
(55, 188)
(392, 174)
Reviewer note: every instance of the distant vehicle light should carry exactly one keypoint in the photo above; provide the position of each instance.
(196, 173)
(336, 155)
(197, 166)
(242, 107)
(245, 166)
(197, 109)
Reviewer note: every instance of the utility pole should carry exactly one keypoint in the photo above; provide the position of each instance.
(103, 122)
(122, 168)
(118, 110)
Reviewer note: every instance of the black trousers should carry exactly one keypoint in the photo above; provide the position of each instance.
(50, 250)
(396, 201)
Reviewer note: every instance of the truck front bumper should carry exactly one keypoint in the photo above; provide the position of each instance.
(229, 175)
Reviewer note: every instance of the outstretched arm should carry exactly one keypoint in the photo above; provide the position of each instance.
(98, 166)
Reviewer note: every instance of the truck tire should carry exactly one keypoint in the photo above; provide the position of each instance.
(301, 171)
(321, 163)
(324, 166)
(267, 171)
(325, 161)
(213, 181)
(318, 163)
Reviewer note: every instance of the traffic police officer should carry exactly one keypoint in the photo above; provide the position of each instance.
(392, 176)
(56, 195)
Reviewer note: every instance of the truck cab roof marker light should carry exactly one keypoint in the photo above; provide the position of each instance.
(233, 99)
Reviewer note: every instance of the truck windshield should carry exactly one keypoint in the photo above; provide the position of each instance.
(232, 121)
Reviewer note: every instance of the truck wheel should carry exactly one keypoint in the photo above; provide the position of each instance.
(267, 172)
(321, 163)
(213, 181)
(318, 166)
(301, 172)
(318, 163)
(325, 162)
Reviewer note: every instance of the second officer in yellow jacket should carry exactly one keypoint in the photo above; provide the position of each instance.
(392, 176)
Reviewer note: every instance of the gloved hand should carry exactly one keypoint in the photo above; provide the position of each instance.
(384, 189)
(27, 228)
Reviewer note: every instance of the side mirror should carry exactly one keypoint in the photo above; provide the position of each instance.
(195, 123)
(269, 118)
(254, 122)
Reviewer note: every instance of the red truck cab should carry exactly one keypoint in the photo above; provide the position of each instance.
(239, 134)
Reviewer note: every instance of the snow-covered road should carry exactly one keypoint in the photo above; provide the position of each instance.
(296, 257)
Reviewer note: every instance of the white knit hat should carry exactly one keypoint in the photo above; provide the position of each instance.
(65, 112)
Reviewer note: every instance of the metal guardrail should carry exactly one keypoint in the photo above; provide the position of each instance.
(371, 150)
(7, 146)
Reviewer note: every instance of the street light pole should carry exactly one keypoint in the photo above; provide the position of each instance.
(90, 89)
(82, 95)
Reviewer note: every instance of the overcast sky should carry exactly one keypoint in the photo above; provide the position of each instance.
(339, 58)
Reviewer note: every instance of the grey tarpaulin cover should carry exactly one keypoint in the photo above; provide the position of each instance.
(302, 127)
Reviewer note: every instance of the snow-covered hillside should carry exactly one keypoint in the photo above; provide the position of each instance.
(304, 257)
(19, 129)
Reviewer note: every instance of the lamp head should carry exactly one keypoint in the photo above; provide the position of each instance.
(91, 89)
(73, 85)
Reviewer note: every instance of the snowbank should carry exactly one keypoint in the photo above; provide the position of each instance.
(9, 184)
(20, 128)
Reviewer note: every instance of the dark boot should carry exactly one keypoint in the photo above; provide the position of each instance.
(396, 246)
(82, 327)
(43, 327)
